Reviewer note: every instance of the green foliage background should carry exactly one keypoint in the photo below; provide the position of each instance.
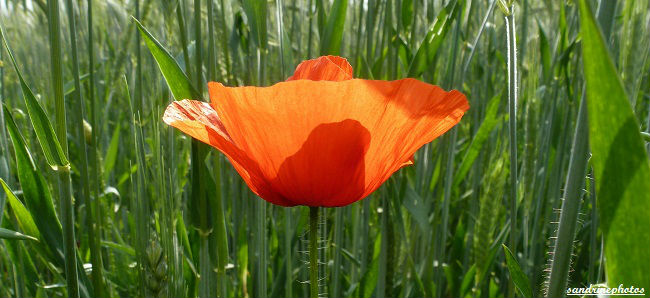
(155, 214)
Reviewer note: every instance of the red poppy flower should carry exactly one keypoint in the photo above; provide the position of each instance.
(321, 138)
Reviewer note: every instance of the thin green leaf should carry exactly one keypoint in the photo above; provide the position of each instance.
(466, 284)
(331, 40)
(119, 247)
(416, 206)
(111, 152)
(489, 123)
(44, 131)
(518, 277)
(256, 12)
(176, 79)
(23, 217)
(369, 279)
(38, 199)
(545, 51)
(429, 47)
(9, 234)
(620, 163)
(407, 13)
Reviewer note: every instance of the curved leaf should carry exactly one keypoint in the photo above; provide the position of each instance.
(38, 199)
(518, 277)
(333, 34)
(44, 132)
(23, 217)
(429, 47)
(620, 161)
(9, 234)
(176, 79)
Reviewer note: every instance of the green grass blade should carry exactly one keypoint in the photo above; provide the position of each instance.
(111, 152)
(566, 230)
(545, 51)
(490, 121)
(512, 65)
(13, 235)
(176, 79)
(620, 163)
(198, 47)
(518, 277)
(38, 199)
(426, 53)
(256, 12)
(23, 217)
(331, 40)
(370, 276)
(42, 127)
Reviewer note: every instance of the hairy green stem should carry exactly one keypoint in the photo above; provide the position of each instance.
(287, 251)
(313, 252)
(570, 207)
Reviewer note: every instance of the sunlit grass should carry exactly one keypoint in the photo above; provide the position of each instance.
(158, 225)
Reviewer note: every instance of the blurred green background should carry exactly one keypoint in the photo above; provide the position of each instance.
(565, 188)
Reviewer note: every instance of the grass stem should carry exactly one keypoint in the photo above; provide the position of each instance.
(65, 187)
(512, 123)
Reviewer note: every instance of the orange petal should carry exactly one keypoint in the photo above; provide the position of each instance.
(325, 68)
(200, 121)
(321, 143)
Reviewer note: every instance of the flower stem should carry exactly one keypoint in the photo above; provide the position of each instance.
(313, 252)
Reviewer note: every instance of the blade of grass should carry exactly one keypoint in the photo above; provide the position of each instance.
(620, 162)
(518, 277)
(176, 79)
(38, 199)
(96, 259)
(512, 121)
(563, 250)
(490, 121)
(13, 235)
(330, 41)
(65, 187)
(198, 47)
(183, 34)
(138, 98)
(256, 12)
(426, 53)
(42, 127)
(78, 114)
(23, 216)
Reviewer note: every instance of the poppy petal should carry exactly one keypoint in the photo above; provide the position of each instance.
(199, 120)
(325, 68)
(308, 136)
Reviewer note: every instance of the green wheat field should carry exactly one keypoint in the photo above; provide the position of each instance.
(542, 187)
